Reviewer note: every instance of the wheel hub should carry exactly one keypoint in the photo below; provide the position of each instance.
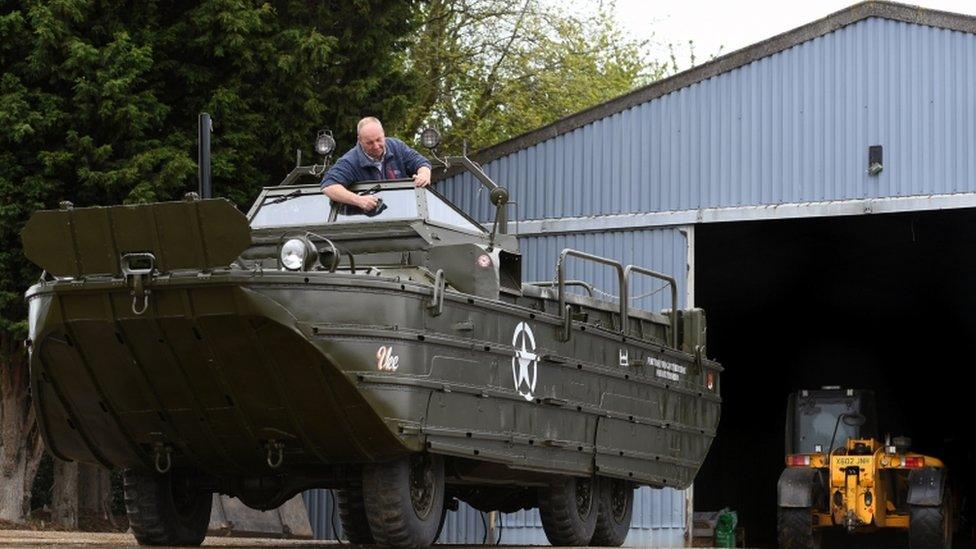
(584, 496)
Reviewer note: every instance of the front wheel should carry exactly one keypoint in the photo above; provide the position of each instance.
(166, 509)
(616, 507)
(931, 527)
(794, 528)
(404, 500)
(568, 509)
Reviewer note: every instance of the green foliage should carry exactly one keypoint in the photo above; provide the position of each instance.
(99, 99)
(492, 70)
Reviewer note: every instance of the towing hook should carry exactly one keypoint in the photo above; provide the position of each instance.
(138, 269)
(136, 309)
(276, 453)
(163, 460)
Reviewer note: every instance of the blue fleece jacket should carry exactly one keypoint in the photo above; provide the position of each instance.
(400, 161)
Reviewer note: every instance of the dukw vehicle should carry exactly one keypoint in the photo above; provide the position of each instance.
(860, 485)
(394, 355)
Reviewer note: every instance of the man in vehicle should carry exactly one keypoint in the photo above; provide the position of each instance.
(374, 157)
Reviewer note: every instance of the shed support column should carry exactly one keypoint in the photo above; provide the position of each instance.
(689, 232)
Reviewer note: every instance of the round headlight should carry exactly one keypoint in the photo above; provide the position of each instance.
(294, 253)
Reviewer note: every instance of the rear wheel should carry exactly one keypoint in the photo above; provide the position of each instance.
(166, 509)
(616, 507)
(352, 516)
(931, 527)
(569, 510)
(794, 529)
(404, 500)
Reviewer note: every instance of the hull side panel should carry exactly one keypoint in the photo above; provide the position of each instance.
(345, 374)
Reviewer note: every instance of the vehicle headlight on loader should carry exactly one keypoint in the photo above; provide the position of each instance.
(297, 254)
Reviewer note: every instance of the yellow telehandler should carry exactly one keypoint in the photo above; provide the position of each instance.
(840, 475)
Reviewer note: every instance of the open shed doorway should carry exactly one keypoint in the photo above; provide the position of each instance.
(886, 302)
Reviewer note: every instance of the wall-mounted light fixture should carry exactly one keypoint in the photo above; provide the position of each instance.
(875, 159)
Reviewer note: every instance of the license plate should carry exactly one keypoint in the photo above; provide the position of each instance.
(849, 461)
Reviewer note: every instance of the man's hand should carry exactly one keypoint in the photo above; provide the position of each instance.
(338, 193)
(422, 177)
(367, 202)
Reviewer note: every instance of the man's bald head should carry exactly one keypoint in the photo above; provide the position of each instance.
(371, 137)
(368, 121)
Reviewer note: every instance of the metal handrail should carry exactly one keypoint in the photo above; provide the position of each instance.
(674, 295)
(561, 278)
(549, 284)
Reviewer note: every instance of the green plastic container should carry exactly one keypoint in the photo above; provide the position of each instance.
(725, 528)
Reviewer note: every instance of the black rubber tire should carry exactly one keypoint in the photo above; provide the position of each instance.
(794, 529)
(395, 519)
(616, 500)
(164, 509)
(566, 519)
(931, 527)
(352, 516)
(440, 527)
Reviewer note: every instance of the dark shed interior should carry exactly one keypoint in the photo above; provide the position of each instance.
(886, 302)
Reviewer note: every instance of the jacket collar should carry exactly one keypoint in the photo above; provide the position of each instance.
(365, 161)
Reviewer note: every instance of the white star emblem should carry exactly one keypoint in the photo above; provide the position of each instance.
(525, 361)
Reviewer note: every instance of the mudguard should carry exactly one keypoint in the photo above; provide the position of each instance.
(800, 487)
(926, 486)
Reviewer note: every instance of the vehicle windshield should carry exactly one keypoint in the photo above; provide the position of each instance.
(394, 204)
(294, 209)
(816, 426)
(440, 211)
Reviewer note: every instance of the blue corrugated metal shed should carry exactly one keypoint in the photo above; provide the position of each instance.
(790, 126)
(787, 121)
(782, 127)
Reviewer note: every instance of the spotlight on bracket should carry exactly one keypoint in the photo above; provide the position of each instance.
(324, 142)
(430, 138)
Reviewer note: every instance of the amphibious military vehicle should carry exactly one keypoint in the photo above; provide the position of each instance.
(394, 355)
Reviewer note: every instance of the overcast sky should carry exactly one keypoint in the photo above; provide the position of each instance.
(733, 24)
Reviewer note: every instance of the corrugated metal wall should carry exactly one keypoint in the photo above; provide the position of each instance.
(658, 520)
(659, 515)
(792, 127)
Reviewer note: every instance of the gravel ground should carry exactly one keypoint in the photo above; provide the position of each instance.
(31, 538)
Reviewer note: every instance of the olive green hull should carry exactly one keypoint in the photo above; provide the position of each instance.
(232, 360)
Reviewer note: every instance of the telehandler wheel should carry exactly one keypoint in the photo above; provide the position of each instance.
(794, 529)
(931, 527)
(352, 516)
(404, 500)
(616, 507)
(166, 509)
(568, 509)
